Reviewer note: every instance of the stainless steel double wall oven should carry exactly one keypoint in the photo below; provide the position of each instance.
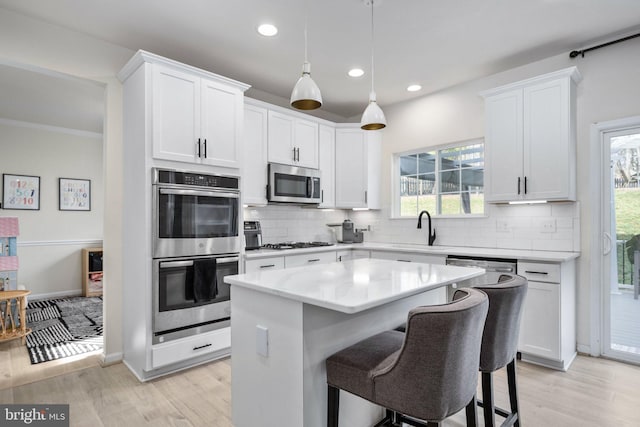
(196, 243)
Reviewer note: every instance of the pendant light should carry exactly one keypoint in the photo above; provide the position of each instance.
(373, 117)
(306, 94)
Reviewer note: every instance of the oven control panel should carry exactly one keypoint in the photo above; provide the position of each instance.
(167, 176)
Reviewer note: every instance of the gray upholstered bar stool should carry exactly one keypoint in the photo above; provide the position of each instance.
(428, 374)
(500, 342)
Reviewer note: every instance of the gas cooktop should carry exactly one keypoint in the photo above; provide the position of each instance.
(295, 245)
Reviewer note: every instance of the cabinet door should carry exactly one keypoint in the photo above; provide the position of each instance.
(281, 137)
(540, 323)
(351, 168)
(547, 148)
(373, 142)
(306, 143)
(254, 163)
(327, 153)
(221, 123)
(351, 254)
(176, 115)
(309, 259)
(503, 147)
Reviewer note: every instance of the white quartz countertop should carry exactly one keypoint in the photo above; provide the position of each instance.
(519, 254)
(353, 286)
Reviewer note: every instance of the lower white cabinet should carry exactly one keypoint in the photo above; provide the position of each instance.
(272, 263)
(548, 327)
(186, 348)
(309, 259)
(409, 257)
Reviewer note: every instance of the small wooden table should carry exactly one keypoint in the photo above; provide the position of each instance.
(8, 328)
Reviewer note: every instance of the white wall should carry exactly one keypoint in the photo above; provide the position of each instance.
(50, 240)
(27, 41)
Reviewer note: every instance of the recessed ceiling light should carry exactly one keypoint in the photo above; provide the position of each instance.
(268, 30)
(414, 88)
(356, 72)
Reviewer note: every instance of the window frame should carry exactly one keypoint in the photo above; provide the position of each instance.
(395, 180)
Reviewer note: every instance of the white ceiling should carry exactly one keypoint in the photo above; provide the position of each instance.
(434, 43)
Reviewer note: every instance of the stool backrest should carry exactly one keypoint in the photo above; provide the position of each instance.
(435, 373)
(500, 336)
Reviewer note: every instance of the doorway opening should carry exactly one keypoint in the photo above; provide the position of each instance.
(621, 256)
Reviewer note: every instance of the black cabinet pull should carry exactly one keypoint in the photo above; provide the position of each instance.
(403, 260)
(199, 153)
(205, 148)
(321, 196)
(267, 266)
(536, 272)
(518, 185)
(525, 185)
(314, 260)
(200, 347)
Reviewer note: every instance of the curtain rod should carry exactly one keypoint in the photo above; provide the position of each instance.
(575, 53)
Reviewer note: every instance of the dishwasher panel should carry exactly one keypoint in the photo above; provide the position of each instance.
(494, 267)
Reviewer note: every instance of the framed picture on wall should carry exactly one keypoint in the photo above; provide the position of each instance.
(20, 192)
(75, 194)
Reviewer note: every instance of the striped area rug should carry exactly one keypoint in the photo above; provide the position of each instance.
(63, 327)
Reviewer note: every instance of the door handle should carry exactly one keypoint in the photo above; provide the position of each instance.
(607, 249)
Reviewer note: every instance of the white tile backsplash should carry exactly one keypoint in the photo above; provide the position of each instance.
(505, 226)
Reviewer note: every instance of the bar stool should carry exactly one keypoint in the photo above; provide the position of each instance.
(426, 374)
(499, 344)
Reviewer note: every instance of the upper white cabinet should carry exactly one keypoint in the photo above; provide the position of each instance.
(292, 140)
(358, 158)
(254, 165)
(196, 118)
(530, 139)
(327, 161)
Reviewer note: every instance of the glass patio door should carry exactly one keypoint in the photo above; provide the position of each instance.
(621, 217)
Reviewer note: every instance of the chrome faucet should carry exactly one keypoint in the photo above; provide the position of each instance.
(432, 236)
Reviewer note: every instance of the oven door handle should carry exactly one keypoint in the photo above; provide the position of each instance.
(199, 193)
(229, 259)
(171, 264)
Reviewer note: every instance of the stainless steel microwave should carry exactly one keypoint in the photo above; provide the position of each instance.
(293, 184)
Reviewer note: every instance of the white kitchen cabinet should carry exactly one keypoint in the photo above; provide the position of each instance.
(530, 139)
(292, 140)
(254, 164)
(186, 348)
(300, 260)
(358, 160)
(327, 161)
(195, 119)
(262, 264)
(547, 328)
(351, 254)
(410, 257)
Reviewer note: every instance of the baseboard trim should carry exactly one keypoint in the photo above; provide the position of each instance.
(111, 359)
(82, 242)
(586, 349)
(51, 295)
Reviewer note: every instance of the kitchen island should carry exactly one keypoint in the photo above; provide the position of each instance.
(285, 323)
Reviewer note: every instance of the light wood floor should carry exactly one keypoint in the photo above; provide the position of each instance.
(594, 392)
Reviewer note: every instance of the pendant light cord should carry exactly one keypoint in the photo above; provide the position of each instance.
(372, 72)
(306, 23)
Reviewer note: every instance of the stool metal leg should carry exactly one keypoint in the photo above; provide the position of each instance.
(488, 405)
(513, 391)
(472, 414)
(333, 406)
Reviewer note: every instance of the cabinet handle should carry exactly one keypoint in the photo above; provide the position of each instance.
(267, 266)
(365, 196)
(536, 272)
(340, 258)
(205, 148)
(525, 185)
(199, 154)
(403, 260)
(298, 154)
(200, 347)
(321, 196)
(314, 260)
(518, 185)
